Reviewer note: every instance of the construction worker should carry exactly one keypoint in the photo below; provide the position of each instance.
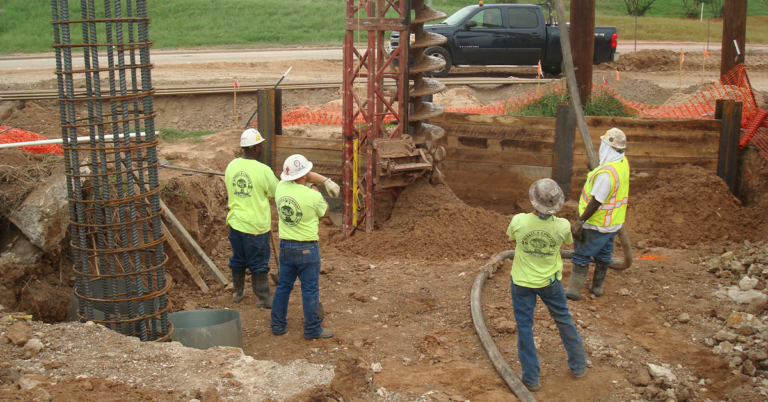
(536, 271)
(602, 208)
(299, 209)
(250, 184)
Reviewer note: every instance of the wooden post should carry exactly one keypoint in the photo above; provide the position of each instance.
(562, 158)
(729, 112)
(270, 116)
(734, 28)
(582, 41)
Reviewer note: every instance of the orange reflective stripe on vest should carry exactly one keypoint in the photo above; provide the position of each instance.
(613, 210)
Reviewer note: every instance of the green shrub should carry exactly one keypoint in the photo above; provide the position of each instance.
(601, 104)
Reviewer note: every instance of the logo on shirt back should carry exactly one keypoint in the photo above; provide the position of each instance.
(242, 184)
(289, 211)
(539, 243)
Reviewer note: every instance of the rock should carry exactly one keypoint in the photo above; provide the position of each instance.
(506, 327)
(190, 305)
(86, 385)
(651, 391)
(748, 368)
(713, 265)
(726, 347)
(19, 333)
(755, 270)
(44, 214)
(28, 381)
(640, 377)
(661, 372)
(32, 348)
(624, 292)
(376, 367)
(683, 318)
(727, 256)
(738, 319)
(757, 306)
(684, 393)
(744, 297)
(735, 362)
(326, 269)
(725, 336)
(747, 283)
(745, 331)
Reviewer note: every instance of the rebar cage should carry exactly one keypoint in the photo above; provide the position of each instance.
(112, 185)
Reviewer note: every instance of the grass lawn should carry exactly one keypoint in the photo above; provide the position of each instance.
(25, 24)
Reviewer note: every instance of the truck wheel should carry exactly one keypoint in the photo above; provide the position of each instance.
(441, 53)
(553, 70)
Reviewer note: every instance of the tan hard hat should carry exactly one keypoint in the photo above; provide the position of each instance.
(615, 138)
(546, 196)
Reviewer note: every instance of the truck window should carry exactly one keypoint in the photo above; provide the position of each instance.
(490, 18)
(523, 18)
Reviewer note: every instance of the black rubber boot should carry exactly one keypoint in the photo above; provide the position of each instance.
(238, 280)
(260, 284)
(578, 279)
(601, 269)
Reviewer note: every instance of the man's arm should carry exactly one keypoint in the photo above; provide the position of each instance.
(332, 188)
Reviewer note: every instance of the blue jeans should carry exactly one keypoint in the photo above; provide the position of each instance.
(302, 260)
(593, 244)
(249, 252)
(523, 303)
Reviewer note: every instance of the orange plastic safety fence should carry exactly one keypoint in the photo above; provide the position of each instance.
(15, 135)
(700, 105)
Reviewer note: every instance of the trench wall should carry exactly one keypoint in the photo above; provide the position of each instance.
(493, 159)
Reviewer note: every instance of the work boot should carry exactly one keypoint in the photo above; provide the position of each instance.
(238, 279)
(601, 268)
(578, 279)
(326, 333)
(260, 284)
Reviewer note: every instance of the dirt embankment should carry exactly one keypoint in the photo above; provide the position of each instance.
(655, 60)
(688, 206)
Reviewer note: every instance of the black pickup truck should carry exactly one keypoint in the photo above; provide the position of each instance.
(496, 35)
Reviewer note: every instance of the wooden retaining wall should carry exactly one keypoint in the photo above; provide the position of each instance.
(493, 159)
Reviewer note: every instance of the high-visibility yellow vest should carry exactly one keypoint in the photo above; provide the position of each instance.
(614, 208)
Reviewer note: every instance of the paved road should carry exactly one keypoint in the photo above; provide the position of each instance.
(160, 57)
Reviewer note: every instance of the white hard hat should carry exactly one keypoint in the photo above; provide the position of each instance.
(295, 166)
(546, 196)
(250, 138)
(615, 138)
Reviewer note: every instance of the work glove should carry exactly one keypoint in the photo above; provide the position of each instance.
(332, 188)
(577, 229)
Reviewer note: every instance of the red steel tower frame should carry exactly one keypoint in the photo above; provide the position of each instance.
(364, 118)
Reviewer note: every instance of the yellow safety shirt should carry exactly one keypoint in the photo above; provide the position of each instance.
(537, 260)
(299, 209)
(250, 184)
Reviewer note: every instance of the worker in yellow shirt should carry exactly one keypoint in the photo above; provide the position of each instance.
(299, 209)
(536, 271)
(250, 184)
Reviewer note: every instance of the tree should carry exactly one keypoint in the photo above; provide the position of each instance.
(716, 7)
(638, 7)
(693, 8)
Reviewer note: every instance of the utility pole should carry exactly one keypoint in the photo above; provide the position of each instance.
(582, 39)
(734, 28)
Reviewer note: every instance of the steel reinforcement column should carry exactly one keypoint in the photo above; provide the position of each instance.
(112, 186)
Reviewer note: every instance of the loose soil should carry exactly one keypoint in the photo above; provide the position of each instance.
(399, 296)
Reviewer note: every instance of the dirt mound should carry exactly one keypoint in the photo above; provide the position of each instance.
(431, 223)
(463, 96)
(689, 205)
